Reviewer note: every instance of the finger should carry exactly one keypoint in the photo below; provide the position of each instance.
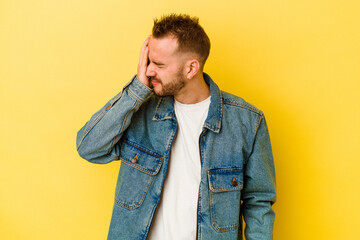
(144, 52)
(145, 44)
(146, 55)
(147, 39)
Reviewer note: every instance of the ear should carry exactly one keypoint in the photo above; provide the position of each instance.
(193, 67)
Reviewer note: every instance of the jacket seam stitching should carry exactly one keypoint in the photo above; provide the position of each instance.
(126, 116)
(213, 222)
(142, 169)
(143, 149)
(216, 171)
(258, 121)
(245, 107)
(139, 203)
(135, 96)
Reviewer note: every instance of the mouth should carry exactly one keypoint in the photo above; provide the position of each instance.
(154, 83)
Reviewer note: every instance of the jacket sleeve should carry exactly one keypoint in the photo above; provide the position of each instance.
(259, 192)
(96, 140)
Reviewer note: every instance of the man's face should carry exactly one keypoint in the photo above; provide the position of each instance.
(166, 66)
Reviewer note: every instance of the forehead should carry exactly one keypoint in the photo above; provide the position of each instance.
(162, 48)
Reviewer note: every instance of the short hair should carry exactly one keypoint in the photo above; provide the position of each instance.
(190, 35)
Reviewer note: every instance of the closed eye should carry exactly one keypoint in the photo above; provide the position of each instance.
(158, 64)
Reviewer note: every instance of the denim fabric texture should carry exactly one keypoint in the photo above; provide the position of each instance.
(237, 167)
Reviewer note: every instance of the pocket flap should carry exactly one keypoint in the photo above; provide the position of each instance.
(225, 179)
(140, 158)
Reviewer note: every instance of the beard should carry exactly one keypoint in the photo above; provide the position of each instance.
(171, 88)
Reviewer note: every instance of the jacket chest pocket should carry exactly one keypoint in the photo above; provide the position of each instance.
(138, 168)
(225, 186)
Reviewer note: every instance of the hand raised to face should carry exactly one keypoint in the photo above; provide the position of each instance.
(143, 63)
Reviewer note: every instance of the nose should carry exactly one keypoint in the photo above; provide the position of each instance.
(150, 71)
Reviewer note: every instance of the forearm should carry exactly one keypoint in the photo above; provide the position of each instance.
(96, 140)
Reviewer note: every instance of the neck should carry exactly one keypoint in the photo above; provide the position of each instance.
(195, 90)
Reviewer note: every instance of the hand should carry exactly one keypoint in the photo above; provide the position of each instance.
(143, 63)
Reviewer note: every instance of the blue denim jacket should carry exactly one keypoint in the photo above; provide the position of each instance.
(237, 168)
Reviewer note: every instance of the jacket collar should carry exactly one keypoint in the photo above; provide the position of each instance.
(165, 107)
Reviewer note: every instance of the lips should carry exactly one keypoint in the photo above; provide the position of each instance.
(154, 83)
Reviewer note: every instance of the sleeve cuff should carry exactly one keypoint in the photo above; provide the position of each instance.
(138, 90)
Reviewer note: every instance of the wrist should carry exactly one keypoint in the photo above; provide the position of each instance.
(144, 80)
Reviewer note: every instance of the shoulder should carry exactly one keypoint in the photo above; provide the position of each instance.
(233, 101)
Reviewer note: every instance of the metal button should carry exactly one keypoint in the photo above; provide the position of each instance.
(134, 160)
(234, 183)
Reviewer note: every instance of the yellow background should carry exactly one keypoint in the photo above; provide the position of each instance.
(60, 61)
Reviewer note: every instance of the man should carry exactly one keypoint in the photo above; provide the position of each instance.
(194, 159)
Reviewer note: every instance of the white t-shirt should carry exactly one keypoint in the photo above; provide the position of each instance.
(176, 214)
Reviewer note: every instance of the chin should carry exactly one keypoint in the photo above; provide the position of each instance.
(157, 91)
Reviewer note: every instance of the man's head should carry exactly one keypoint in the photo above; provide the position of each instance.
(190, 36)
(178, 49)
